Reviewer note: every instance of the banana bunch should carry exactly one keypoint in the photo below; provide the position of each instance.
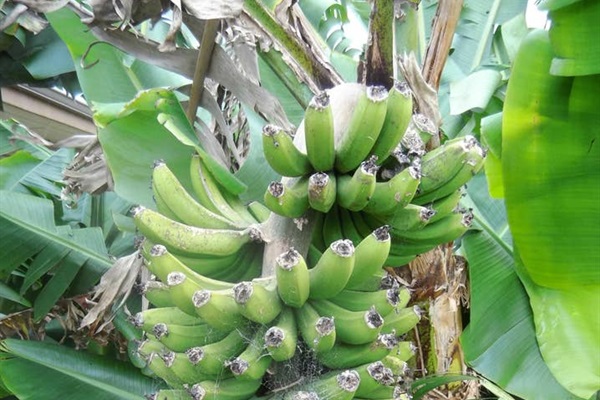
(359, 157)
(209, 338)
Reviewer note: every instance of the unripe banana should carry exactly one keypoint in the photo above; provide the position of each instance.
(218, 308)
(442, 164)
(212, 195)
(385, 301)
(349, 230)
(322, 191)
(344, 355)
(319, 132)
(376, 381)
(333, 270)
(354, 192)
(150, 350)
(332, 228)
(406, 350)
(445, 230)
(158, 294)
(317, 332)
(183, 368)
(411, 217)
(253, 362)
(189, 240)
(423, 126)
(370, 255)
(210, 359)
(399, 261)
(445, 205)
(161, 263)
(259, 211)
(334, 385)
(224, 389)
(353, 145)
(170, 394)
(397, 118)
(293, 281)
(402, 321)
(281, 339)
(146, 319)
(289, 200)
(167, 187)
(258, 300)
(281, 153)
(353, 327)
(395, 193)
(182, 337)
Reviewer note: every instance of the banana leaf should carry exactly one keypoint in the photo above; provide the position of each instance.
(64, 373)
(551, 173)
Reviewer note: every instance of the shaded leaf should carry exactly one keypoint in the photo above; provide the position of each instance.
(6, 292)
(63, 373)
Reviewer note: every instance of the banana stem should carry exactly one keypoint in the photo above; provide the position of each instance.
(282, 233)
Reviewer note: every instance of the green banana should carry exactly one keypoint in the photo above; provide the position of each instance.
(225, 389)
(167, 315)
(293, 281)
(399, 261)
(319, 132)
(322, 191)
(252, 363)
(402, 321)
(332, 228)
(397, 118)
(181, 366)
(151, 351)
(343, 355)
(318, 332)
(352, 327)
(369, 256)
(258, 300)
(448, 167)
(424, 127)
(349, 230)
(406, 351)
(368, 116)
(385, 301)
(212, 195)
(182, 337)
(334, 385)
(354, 192)
(333, 270)
(170, 394)
(167, 187)
(158, 294)
(281, 153)
(161, 263)
(218, 308)
(210, 359)
(395, 193)
(445, 205)
(411, 217)
(188, 240)
(445, 230)
(259, 211)
(376, 381)
(288, 200)
(281, 339)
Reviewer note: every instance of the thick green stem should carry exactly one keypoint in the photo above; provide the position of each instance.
(379, 63)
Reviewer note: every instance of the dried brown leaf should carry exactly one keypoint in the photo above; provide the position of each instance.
(214, 9)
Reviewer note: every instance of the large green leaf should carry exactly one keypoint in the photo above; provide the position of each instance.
(499, 341)
(551, 172)
(47, 371)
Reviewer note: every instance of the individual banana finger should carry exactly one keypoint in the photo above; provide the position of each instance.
(181, 337)
(158, 294)
(252, 363)
(293, 281)
(166, 186)
(259, 211)
(445, 205)
(146, 319)
(354, 192)
(258, 300)
(218, 308)
(344, 355)
(445, 230)
(397, 118)
(370, 255)
(224, 389)
(322, 190)
(395, 193)
(353, 327)
(368, 116)
(376, 381)
(288, 200)
(402, 321)
(318, 332)
(334, 385)
(384, 301)
(210, 359)
(281, 339)
(319, 132)
(281, 153)
(188, 240)
(333, 270)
